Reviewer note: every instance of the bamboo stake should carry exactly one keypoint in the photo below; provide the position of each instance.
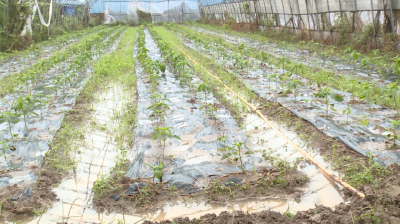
(323, 169)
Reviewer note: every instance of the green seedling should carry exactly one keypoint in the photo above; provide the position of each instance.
(347, 111)
(391, 94)
(354, 58)
(162, 134)
(363, 121)
(159, 110)
(11, 118)
(3, 145)
(205, 89)
(102, 186)
(395, 66)
(293, 85)
(222, 139)
(235, 151)
(161, 66)
(157, 171)
(325, 94)
(394, 137)
(26, 105)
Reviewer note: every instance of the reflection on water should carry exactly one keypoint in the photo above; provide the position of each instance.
(97, 157)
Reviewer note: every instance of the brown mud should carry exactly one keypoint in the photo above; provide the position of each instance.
(14, 203)
(266, 183)
(381, 205)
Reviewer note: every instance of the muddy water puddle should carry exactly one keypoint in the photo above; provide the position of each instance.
(95, 156)
(32, 144)
(194, 156)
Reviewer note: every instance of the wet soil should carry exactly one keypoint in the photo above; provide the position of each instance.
(381, 205)
(363, 140)
(15, 202)
(231, 188)
(22, 200)
(210, 192)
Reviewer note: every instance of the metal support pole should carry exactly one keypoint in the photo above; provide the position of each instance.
(373, 20)
(356, 12)
(318, 21)
(266, 12)
(330, 21)
(391, 21)
(4, 16)
(278, 21)
(291, 12)
(299, 14)
(284, 14)
(308, 18)
(272, 12)
(255, 12)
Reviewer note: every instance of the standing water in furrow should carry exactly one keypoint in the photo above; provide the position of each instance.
(193, 158)
(100, 143)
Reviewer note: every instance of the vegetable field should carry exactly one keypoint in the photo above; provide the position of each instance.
(194, 123)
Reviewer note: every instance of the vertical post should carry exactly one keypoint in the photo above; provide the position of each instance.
(330, 22)
(231, 9)
(272, 12)
(318, 21)
(183, 5)
(266, 11)
(278, 20)
(4, 16)
(150, 13)
(356, 12)
(299, 13)
(391, 22)
(284, 14)
(300, 19)
(373, 19)
(340, 7)
(291, 12)
(308, 18)
(255, 12)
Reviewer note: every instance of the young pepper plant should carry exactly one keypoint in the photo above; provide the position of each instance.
(325, 93)
(159, 109)
(26, 105)
(394, 137)
(157, 171)
(11, 118)
(162, 134)
(205, 89)
(236, 152)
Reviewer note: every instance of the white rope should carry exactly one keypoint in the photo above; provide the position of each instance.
(41, 16)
